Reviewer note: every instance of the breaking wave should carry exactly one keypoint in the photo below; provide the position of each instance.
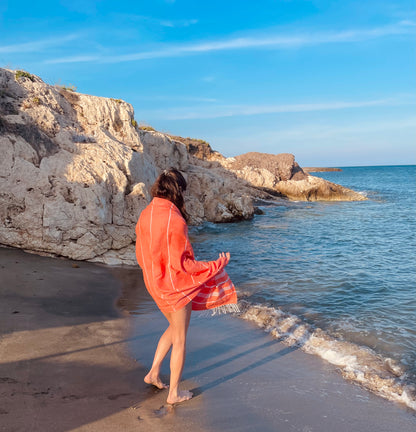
(381, 375)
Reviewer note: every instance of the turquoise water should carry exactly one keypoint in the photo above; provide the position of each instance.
(348, 268)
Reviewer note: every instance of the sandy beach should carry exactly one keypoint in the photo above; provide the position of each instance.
(76, 339)
(63, 362)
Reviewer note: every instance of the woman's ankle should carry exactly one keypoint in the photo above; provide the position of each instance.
(154, 371)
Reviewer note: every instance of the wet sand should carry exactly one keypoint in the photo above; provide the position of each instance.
(68, 363)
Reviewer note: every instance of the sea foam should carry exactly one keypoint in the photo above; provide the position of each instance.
(381, 375)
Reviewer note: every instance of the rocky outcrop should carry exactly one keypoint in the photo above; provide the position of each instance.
(320, 169)
(316, 189)
(266, 170)
(280, 174)
(213, 194)
(199, 148)
(75, 173)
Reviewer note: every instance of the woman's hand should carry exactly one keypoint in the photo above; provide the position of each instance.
(224, 258)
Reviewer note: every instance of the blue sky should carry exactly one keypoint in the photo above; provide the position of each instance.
(332, 82)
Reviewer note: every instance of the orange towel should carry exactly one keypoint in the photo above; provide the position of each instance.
(172, 275)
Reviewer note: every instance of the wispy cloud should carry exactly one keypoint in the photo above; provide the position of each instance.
(39, 45)
(159, 21)
(220, 111)
(312, 132)
(208, 78)
(175, 98)
(279, 41)
(178, 23)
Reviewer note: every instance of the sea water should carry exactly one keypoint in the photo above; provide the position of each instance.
(336, 278)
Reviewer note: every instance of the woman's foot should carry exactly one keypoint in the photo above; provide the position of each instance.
(181, 396)
(155, 380)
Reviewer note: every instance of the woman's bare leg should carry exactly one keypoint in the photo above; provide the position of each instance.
(163, 347)
(179, 323)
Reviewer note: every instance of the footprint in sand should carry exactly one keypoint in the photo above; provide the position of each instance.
(8, 380)
(116, 396)
(163, 410)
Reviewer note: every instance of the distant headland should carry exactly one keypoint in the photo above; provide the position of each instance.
(317, 169)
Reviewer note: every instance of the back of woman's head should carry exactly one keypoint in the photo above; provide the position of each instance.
(170, 185)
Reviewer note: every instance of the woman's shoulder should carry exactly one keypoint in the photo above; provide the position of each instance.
(161, 208)
(177, 217)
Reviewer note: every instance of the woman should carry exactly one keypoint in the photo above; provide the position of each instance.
(176, 281)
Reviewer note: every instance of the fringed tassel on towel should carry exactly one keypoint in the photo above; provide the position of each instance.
(220, 310)
(228, 308)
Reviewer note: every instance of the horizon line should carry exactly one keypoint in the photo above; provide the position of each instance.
(360, 166)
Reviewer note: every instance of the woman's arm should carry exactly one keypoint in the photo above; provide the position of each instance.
(182, 255)
(191, 266)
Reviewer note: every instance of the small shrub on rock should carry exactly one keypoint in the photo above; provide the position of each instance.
(23, 74)
(147, 128)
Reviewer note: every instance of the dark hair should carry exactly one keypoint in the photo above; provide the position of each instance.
(171, 185)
